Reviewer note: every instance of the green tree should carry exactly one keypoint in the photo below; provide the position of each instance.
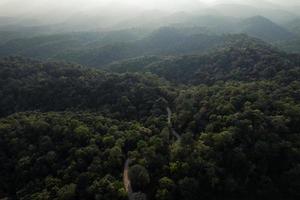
(67, 192)
(139, 177)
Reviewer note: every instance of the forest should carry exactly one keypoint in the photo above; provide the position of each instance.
(200, 107)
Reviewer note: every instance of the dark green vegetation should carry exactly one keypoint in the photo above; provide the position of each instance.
(32, 85)
(69, 131)
(292, 46)
(241, 59)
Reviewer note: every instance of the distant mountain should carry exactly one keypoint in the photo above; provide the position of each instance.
(104, 48)
(157, 19)
(214, 23)
(293, 26)
(292, 45)
(163, 42)
(196, 34)
(264, 29)
(99, 49)
(48, 46)
(252, 23)
(241, 59)
(276, 13)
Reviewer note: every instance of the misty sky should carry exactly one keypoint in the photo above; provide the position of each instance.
(59, 10)
(12, 7)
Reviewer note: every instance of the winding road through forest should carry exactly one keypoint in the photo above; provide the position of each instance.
(126, 179)
(172, 130)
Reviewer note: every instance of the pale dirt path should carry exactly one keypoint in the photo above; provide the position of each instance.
(178, 137)
(126, 179)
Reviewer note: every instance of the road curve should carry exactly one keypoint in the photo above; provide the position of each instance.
(178, 137)
(126, 180)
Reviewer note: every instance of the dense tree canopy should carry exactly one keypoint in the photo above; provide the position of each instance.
(67, 130)
(31, 85)
(242, 59)
(65, 156)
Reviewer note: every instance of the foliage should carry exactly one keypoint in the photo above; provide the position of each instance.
(32, 85)
(67, 130)
(242, 59)
(66, 155)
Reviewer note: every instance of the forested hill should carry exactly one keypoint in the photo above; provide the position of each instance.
(98, 50)
(33, 85)
(242, 59)
(264, 29)
(240, 139)
(28, 84)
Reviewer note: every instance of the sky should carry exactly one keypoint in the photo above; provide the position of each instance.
(64, 9)
(12, 7)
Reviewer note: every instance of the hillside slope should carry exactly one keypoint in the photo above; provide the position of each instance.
(33, 85)
(243, 59)
(263, 28)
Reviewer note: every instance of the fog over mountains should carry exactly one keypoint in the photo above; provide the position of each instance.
(105, 14)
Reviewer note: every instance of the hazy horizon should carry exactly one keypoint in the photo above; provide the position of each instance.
(106, 14)
(11, 8)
